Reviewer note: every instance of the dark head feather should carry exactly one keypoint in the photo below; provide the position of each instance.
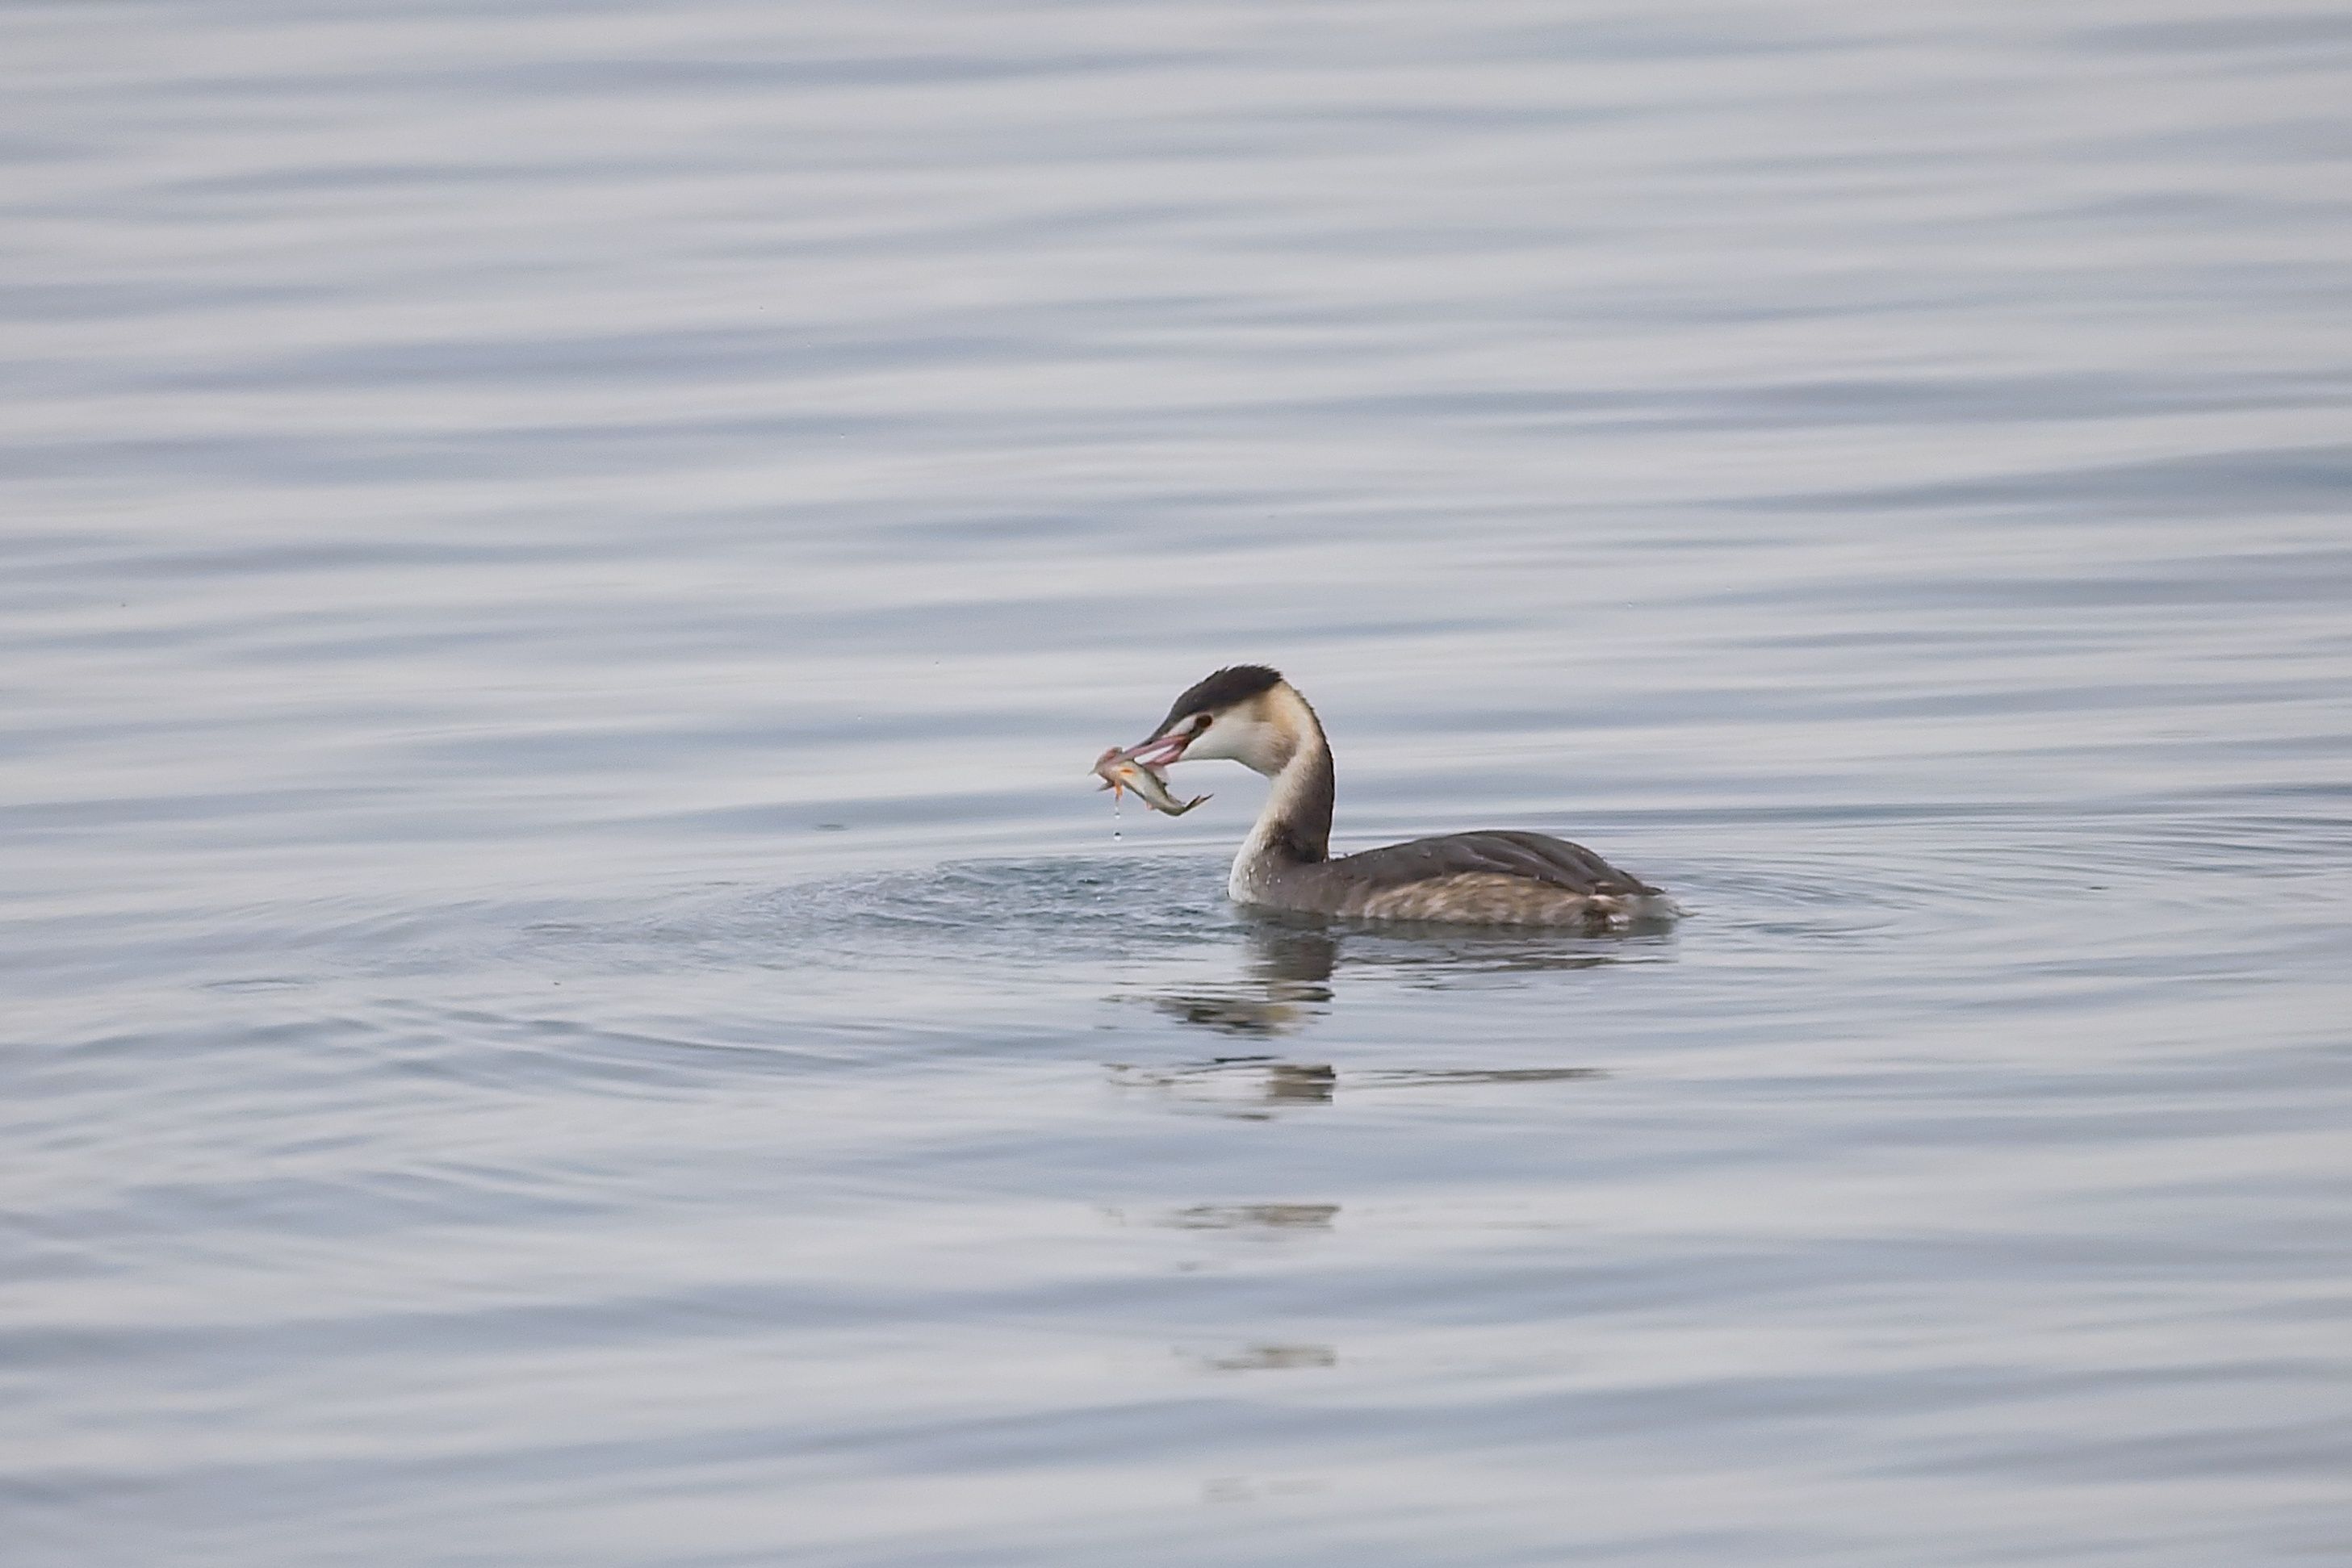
(1221, 691)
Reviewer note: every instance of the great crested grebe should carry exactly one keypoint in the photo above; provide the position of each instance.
(1250, 715)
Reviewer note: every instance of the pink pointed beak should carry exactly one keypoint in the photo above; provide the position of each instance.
(1159, 751)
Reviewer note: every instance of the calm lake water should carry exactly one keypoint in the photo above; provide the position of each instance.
(569, 1001)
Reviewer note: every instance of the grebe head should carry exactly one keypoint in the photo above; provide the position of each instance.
(1247, 713)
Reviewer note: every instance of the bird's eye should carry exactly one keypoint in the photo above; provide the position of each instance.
(1201, 721)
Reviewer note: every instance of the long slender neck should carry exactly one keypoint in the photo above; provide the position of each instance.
(1296, 825)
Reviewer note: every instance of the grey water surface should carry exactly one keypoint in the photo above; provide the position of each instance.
(568, 1002)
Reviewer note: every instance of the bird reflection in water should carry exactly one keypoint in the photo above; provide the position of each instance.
(1254, 1217)
(1264, 1358)
(1253, 1221)
(1287, 975)
(1252, 1087)
(1287, 984)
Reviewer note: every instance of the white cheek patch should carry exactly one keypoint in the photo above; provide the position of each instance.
(1228, 739)
(1216, 741)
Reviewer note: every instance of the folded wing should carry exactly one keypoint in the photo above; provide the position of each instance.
(1538, 857)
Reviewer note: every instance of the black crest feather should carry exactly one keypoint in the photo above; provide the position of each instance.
(1238, 682)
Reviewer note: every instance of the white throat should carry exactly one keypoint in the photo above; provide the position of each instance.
(1300, 803)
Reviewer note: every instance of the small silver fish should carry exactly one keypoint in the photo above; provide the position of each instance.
(1119, 771)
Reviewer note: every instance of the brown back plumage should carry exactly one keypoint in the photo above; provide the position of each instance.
(1538, 857)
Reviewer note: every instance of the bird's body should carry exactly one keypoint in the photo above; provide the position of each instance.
(1249, 714)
